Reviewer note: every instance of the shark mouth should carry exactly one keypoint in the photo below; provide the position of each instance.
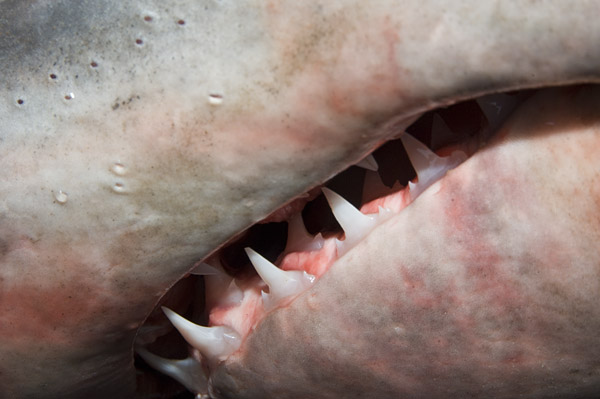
(459, 259)
(268, 266)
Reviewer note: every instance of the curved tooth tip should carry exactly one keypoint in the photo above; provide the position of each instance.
(428, 165)
(271, 274)
(215, 343)
(354, 223)
(368, 163)
(421, 157)
(187, 371)
(282, 284)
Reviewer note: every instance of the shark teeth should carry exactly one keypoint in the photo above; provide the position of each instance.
(282, 284)
(429, 166)
(220, 288)
(214, 343)
(368, 163)
(355, 224)
(496, 108)
(204, 269)
(299, 239)
(187, 371)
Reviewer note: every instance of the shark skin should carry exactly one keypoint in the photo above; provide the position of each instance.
(137, 138)
(493, 294)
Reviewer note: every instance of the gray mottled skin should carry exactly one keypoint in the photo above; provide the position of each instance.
(156, 177)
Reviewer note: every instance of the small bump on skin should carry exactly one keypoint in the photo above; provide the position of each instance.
(61, 197)
(119, 188)
(118, 169)
(149, 17)
(215, 99)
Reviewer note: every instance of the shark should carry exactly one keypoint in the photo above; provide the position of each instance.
(140, 141)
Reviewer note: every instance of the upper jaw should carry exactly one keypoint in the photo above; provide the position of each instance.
(301, 101)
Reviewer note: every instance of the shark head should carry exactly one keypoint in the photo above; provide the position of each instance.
(139, 138)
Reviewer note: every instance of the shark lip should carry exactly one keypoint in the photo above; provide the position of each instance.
(467, 124)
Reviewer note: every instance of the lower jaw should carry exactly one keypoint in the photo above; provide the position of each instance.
(415, 306)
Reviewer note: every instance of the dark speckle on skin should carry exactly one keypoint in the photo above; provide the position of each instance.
(29, 40)
(118, 102)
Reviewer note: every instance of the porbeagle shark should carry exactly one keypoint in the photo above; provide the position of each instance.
(138, 138)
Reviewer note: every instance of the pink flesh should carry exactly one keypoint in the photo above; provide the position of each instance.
(489, 289)
(319, 87)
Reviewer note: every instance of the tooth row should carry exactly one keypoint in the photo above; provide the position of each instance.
(217, 343)
(187, 371)
(428, 165)
(214, 343)
(282, 284)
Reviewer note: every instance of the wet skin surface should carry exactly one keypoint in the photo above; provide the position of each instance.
(492, 295)
(119, 171)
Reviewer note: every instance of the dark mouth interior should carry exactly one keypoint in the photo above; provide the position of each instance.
(458, 123)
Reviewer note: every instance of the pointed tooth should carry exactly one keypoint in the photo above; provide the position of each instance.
(215, 343)
(204, 269)
(355, 224)
(429, 167)
(421, 157)
(187, 371)
(368, 163)
(282, 284)
(496, 108)
(299, 239)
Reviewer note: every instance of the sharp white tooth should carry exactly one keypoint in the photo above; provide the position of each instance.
(282, 284)
(429, 167)
(187, 371)
(355, 224)
(215, 343)
(299, 239)
(204, 269)
(368, 163)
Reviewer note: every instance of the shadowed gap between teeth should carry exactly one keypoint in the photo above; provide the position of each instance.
(401, 169)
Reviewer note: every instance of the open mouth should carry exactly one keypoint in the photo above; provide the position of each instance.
(266, 267)
(459, 259)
